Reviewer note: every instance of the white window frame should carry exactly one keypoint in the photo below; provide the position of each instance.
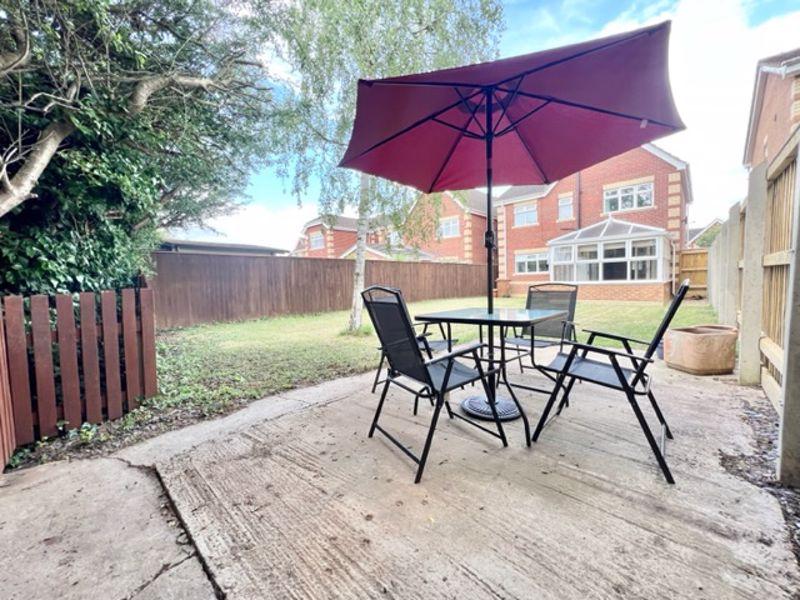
(636, 188)
(628, 259)
(536, 257)
(447, 222)
(528, 209)
(316, 235)
(565, 201)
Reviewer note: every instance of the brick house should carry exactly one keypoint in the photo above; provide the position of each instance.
(453, 230)
(641, 194)
(336, 238)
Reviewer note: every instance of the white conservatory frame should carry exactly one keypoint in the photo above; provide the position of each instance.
(612, 231)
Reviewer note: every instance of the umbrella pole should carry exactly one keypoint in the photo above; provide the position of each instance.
(489, 235)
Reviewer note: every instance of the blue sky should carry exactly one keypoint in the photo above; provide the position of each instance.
(714, 48)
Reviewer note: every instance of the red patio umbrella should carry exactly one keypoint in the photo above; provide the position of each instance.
(528, 119)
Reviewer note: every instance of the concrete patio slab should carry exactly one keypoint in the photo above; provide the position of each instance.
(305, 506)
(93, 529)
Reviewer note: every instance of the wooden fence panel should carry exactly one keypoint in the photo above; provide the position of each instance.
(19, 378)
(693, 265)
(90, 358)
(68, 361)
(130, 337)
(8, 440)
(53, 372)
(43, 363)
(108, 303)
(203, 288)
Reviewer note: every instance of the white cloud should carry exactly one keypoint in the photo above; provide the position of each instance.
(713, 54)
(255, 224)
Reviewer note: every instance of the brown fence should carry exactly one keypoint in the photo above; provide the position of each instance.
(203, 288)
(73, 362)
(693, 265)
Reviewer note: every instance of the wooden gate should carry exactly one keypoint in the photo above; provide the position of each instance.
(778, 220)
(693, 265)
(70, 363)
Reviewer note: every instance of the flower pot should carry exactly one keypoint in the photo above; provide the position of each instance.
(702, 349)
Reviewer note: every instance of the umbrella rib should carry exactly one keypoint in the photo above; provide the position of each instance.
(592, 108)
(412, 126)
(453, 149)
(533, 158)
(465, 132)
(513, 124)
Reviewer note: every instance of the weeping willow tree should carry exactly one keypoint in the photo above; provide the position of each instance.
(327, 46)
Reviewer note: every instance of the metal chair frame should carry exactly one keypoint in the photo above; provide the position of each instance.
(420, 371)
(636, 382)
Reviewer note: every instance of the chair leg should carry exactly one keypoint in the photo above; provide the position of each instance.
(661, 418)
(522, 414)
(380, 407)
(565, 398)
(378, 373)
(424, 456)
(548, 407)
(416, 403)
(649, 435)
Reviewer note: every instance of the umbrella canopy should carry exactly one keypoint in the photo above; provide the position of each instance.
(553, 113)
(529, 119)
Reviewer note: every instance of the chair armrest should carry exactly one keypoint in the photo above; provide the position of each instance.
(456, 352)
(608, 351)
(614, 336)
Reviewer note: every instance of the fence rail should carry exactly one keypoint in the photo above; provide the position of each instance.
(693, 265)
(203, 288)
(73, 362)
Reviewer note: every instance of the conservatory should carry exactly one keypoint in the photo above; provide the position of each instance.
(614, 259)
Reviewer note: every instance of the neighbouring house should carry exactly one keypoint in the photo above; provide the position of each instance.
(450, 229)
(203, 247)
(326, 237)
(625, 210)
(703, 237)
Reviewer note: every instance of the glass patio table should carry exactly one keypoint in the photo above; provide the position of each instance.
(477, 405)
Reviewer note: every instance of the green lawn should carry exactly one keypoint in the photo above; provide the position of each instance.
(213, 367)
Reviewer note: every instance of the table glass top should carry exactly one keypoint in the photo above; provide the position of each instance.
(499, 315)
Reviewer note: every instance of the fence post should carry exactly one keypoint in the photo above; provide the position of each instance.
(722, 273)
(732, 267)
(753, 278)
(789, 439)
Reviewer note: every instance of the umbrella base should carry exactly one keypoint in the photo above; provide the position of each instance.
(478, 407)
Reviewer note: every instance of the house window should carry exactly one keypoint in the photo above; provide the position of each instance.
(394, 238)
(526, 214)
(531, 263)
(448, 227)
(629, 197)
(624, 260)
(565, 208)
(316, 241)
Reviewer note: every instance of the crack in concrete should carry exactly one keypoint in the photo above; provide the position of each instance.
(164, 569)
(152, 471)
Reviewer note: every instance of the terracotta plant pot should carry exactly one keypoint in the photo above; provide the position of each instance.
(702, 349)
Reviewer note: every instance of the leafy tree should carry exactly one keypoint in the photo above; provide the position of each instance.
(708, 236)
(117, 118)
(328, 46)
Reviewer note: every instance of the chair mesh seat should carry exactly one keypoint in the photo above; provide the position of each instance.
(460, 374)
(438, 345)
(526, 342)
(591, 370)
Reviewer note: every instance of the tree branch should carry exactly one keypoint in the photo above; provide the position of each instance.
(10, 61)
(18, 188)
(150, 85)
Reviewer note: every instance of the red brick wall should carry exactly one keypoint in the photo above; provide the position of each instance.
(668, 211)
(426, 223)
(337, 241)
(775, 122)
(655, 292)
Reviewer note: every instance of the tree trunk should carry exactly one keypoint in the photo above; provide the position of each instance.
(361, 254)
(15, 191)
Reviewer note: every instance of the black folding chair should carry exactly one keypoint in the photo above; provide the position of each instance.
(428, 345)
(633, 381)
(545, 296)
(437, 376)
